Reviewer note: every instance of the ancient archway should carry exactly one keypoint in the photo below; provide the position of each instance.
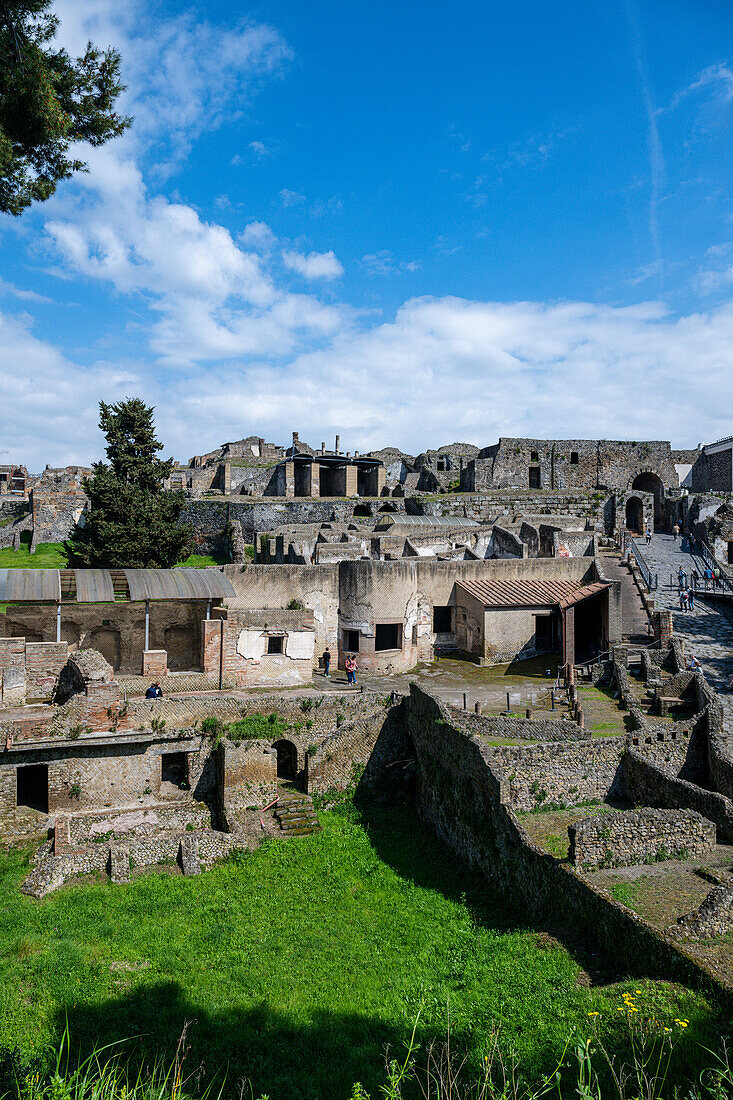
(635, 515)
(287, 759)
(649, 482)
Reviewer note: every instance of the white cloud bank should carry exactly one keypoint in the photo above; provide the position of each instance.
(443, 369)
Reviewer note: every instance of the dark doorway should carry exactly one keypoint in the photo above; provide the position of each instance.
(351, 641)
(635, 515)
(651, 483)
(174, 768)
(443, 619)
(287, 759)
(730, 553)
(589, 639)
(362, 510)
(32, 786)
(544, 632)
(535, 477)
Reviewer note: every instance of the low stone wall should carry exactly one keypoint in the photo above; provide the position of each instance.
(713, 918)
(96, 826)
(558, 774)
(51, 871)
(646, 783)
(639, 836)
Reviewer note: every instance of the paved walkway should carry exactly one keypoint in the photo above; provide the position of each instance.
(707, 632)
(634, 619)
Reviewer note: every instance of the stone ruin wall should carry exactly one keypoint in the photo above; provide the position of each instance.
(639, 836)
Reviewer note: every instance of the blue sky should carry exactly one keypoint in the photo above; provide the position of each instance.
(411, 223)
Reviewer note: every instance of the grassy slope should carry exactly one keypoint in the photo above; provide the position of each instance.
(299, 962)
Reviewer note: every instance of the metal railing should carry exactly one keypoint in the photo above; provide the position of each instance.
(703, 550)
(651, 580)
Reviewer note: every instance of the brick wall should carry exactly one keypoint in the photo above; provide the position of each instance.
(43, 663)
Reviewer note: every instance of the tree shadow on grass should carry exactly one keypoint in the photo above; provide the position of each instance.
(407, 844)
(255, 1051)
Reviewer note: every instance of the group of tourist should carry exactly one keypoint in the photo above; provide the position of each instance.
(350, 666)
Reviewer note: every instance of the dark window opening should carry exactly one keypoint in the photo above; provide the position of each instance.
(174, 768)
(535, 477)
(543, 632)
(443, 620)
(730, 553)
(573, 458)
(32, 786)
(442, 465)
(274, 644)
(535, 457)
(351, 641)
(388, 636)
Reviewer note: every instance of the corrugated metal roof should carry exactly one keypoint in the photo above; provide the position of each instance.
(94, 586)
(523, 593)
(29, 585)
(177, 584)
(395, 520)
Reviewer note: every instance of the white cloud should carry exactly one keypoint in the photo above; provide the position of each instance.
(316, 265)
(290, 198)
(384, 263)
(445, 368)
(260, 149)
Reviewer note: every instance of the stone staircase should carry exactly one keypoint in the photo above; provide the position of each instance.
(295, 814)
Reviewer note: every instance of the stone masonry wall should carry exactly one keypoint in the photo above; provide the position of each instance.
(639, 836)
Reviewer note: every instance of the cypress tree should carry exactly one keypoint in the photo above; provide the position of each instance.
(132, 522)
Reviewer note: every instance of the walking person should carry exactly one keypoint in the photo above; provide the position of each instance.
(681, 578)
(707, 575)
(648, 537)
(326, 658)
(676, 532)
(690, 599)
(683, 599)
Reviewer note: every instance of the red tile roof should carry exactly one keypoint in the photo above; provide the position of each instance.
(530, 593)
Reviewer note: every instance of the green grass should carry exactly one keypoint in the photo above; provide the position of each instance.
(299, 963)
(51, 555)
(48, 555)
(200, 561)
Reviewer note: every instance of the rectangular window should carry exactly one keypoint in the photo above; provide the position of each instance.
(535, 456)
(351, 641)
(275, 644)
(32, 786)
(573, 458)
(174, 768)
(442, 620)
(388, 636)
(535, 477)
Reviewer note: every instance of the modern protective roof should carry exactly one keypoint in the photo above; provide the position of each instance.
(98, 585)
(394, 519)
(530, 593)
(177, 584)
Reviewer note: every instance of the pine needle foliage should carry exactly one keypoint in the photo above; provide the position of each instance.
(132, 522)
(49, 101)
